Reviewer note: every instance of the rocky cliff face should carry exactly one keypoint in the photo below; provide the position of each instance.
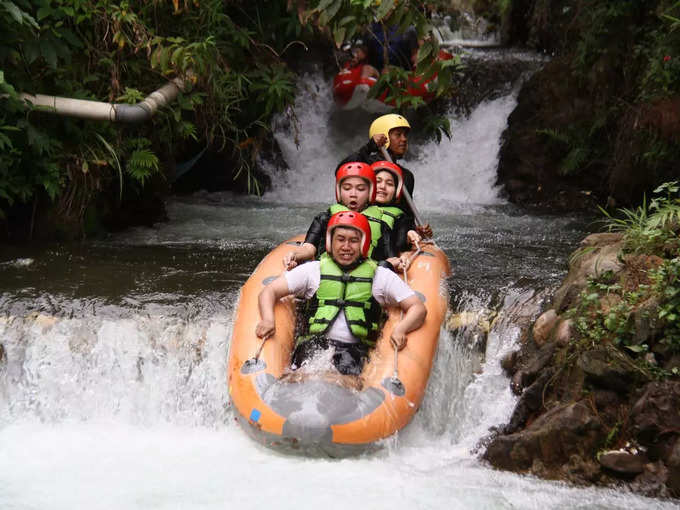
(593, 409)
(601, 121)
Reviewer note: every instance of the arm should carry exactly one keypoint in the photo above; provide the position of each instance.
(414, 316)
(300, 254)
(308, 250)
(265, 302)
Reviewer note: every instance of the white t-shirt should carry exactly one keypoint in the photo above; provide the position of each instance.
(387, 289)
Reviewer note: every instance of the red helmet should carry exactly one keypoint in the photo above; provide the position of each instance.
(396, 172)
(355, 169)
(350, 219)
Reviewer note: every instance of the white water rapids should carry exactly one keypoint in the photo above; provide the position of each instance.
(113, 384)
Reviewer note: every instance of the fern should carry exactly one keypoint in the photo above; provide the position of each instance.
(554, 135)
(574, 161)
(141, 164)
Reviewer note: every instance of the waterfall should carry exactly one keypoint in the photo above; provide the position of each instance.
(456, 172)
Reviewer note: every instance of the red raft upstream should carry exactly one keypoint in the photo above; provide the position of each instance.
(351, 90)
(327, 412)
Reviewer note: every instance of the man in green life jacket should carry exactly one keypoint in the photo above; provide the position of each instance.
(345, 293)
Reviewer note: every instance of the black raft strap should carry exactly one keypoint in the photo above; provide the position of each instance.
(320, 320)
(346, 278)
(365, 324)
(379, 222)
(341, 303)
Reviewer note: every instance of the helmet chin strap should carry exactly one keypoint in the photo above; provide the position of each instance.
(349, 267)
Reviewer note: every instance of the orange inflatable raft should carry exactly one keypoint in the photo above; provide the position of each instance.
(332, 414)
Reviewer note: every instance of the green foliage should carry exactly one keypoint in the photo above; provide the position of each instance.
(606, 310)
(652, 228)
(661, 77)
(576, 147)
(229, 56)
(667, 285)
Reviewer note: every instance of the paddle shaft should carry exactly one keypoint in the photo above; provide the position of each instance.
(407, 195)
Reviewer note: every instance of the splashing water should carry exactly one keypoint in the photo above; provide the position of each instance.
(113, 373)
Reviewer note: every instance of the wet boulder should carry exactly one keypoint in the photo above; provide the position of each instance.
(599, 255)
(657, 412)
(623, 463)
(532, 367)
(607, 367)
(543, 327)
(553, 438)
(565, 332)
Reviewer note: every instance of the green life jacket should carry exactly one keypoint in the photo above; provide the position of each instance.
(390, 215)
(351, 292)
(375, 221)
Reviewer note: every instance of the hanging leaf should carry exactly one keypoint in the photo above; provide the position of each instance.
(323, 4)
(339, 36)
(49, 54)
(384, 9)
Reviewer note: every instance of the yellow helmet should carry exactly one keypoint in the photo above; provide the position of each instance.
(383, 125)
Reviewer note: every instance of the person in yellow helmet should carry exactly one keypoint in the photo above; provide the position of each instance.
(390, 131)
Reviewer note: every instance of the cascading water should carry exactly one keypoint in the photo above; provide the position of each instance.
(113, 366)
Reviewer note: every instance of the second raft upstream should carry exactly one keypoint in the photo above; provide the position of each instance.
(326, 412)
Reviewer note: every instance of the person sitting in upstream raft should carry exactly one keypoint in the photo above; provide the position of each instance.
(354, 190)
(345, 291)
(389, 186)
(391, 131)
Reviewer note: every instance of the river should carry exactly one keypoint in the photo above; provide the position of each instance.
(113, 381)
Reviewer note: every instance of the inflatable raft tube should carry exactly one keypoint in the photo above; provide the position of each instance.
(328, 413)
(351, 90)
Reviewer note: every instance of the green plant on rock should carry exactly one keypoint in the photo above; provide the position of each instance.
(666, 280)
(652, 228)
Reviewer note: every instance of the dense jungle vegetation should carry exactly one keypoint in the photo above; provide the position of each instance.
(603, 116)
(236, 58)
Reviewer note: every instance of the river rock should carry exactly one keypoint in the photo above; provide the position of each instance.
(601, 239)
(563, 431)
(565, 332)
(530, 402)
(624, 463)
(607, 367)
(652, 481)
(479, 319)
(543, 327)
(532, 367)
(673, 465)
(509, 362)
(657, 412)
(647, 322)
(599, 259)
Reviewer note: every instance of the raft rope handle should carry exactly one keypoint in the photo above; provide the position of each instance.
(419, 250)
(259, 350)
